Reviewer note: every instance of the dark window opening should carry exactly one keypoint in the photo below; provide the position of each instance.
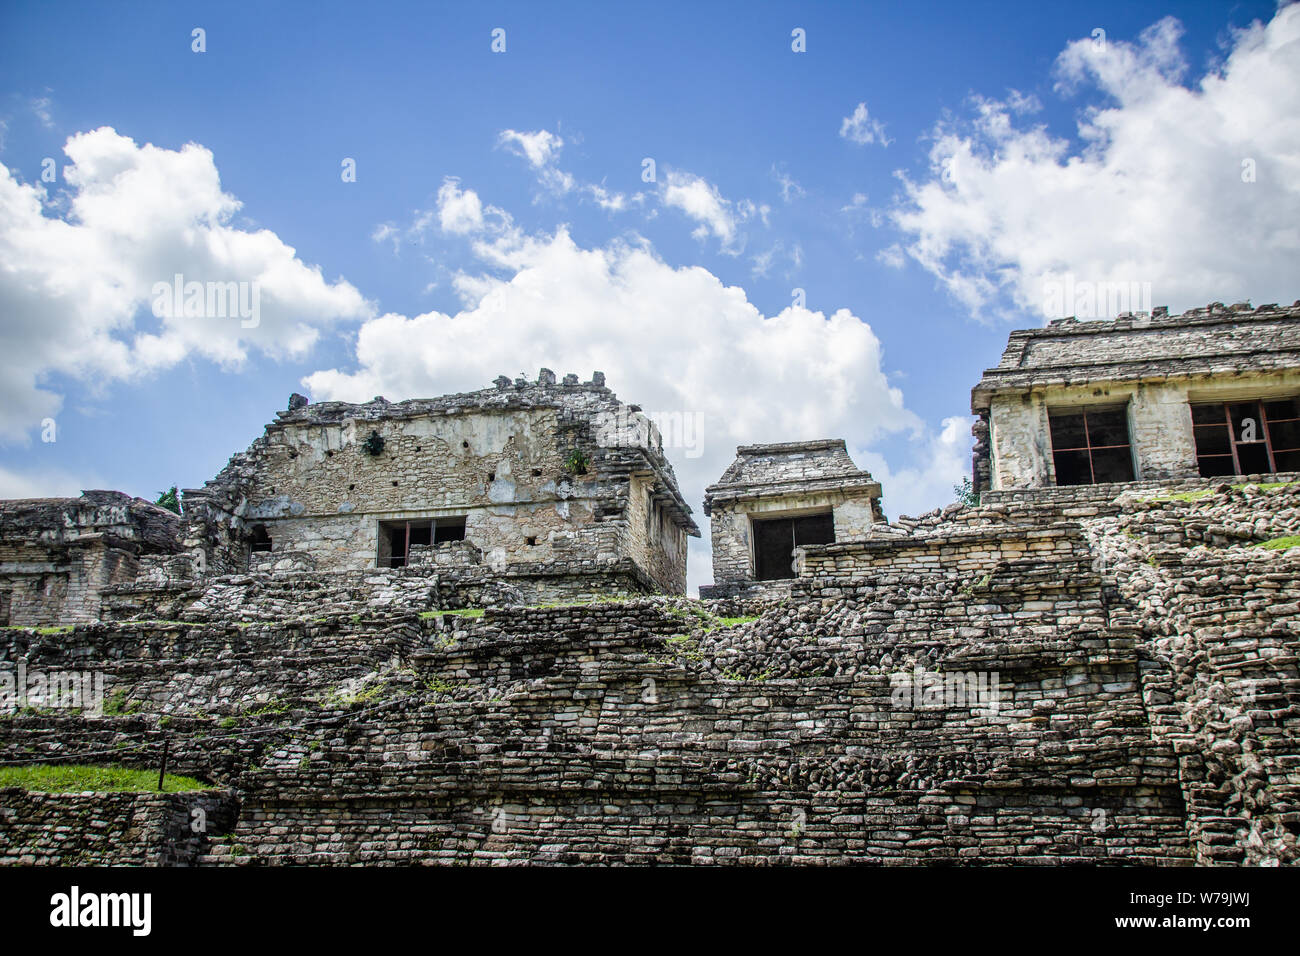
(1090, 446)
(776, 538)
(530, 541)
(492, 476)
(448, 529)
(261, 540)
(396, 538)
(537, 472)
(1246, 438)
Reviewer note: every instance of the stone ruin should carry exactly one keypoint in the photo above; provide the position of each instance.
(776, 498)
(527, 491)
(1211, 392)
(1097, 673)
(57, 555)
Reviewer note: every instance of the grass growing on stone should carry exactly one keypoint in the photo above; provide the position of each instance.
(118, 706)
(733, 621)
(685, 646)
(463, 612)
(1206, 492)
(78, 778)
(602, 599)
(1184, 495)
(1281, 544)
(55, 629)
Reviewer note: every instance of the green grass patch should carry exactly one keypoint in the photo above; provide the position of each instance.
(439, 686)
(683, 645)
(78, 778)
(1184, 495)
(463, 612)
(1281, 544)
(118, 706)
(54, 629)
(733, 621)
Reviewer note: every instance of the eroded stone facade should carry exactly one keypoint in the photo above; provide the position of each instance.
(787, 480)
(58, 555)
(1153, 367)
(525, 473)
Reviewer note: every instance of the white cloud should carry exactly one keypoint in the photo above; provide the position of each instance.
(459, 211)
(43, 483)
(41, 106)
(860, 128)
(670, 339)
(541, 148)
(610, 202)
(764, 261)
(891, 256)
(1153, 192)
(943, 460)
(76, 292)
(790, 189)
(701, 201)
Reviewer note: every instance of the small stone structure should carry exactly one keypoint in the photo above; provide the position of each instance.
(533, 474)
(58, 554)
(776, 498)
(1211, 392)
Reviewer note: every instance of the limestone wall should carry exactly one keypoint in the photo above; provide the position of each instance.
(539, 472)
(1142, 646)
(1160, 424)
(852, 510)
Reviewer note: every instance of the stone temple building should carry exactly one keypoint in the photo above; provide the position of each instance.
(559, 477)
(1211, 392)
(776, 498)
(58, 554)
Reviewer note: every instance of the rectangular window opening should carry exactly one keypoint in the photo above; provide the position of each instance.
(396, 538)
(776, 538)
(1246, 438)
(1091, 446)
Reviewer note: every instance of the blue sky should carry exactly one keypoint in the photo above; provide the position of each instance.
(500, 221)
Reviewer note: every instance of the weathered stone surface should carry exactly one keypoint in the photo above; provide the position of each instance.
(1144, 648)
(539, 473)
(1152, 365)
(771, 481)
(58, 554)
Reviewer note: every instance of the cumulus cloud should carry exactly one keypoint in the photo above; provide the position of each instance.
(43, 483)
(43, 106)
(670, 339)
(1189, 191)
(459, 211)
(78, 291)
(859, 127)
(942, 460)
(541, 147)
(701, 201)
